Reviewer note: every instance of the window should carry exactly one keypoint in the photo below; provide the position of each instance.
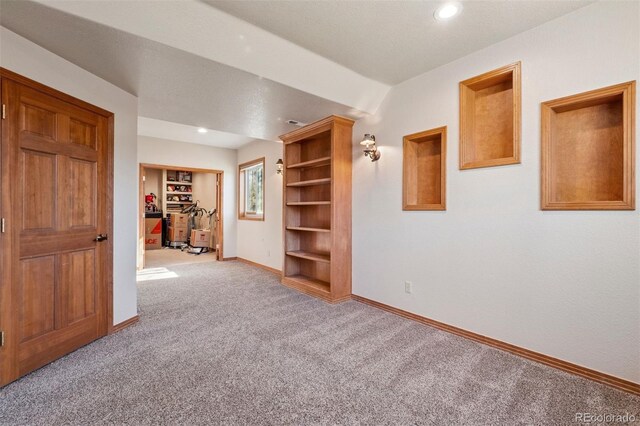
(251, 190)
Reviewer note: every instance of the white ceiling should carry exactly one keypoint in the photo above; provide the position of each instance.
(171, 84)
(183, 133)
(193, 63)
(392, 41)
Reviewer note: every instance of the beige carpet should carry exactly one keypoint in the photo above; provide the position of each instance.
(225, 343)
(169, 257)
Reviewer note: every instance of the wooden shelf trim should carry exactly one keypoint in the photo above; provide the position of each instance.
(308, 255)
(318, 162)
(308, 203)
(178, 192)
(600, 175)
(311, 282)
(302, 228)
(490, 118)
(326, 124)
(424, 170)
(317, 207)
(173, 182)
(323, 181)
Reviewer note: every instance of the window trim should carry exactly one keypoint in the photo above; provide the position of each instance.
(240, 177)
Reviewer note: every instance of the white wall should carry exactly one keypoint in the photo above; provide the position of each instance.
(26, 58)
(563, 283)
(153, 183)
(181, 154)
(261, 241)
(204, 190)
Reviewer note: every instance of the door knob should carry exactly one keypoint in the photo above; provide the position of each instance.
(101, 237)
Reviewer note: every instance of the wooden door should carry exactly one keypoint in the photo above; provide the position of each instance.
(55, 185)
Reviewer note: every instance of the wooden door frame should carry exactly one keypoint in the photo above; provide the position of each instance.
(219, 200)
(6, 238)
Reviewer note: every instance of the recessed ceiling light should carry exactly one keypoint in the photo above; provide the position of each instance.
(202, 130)
(447, 11)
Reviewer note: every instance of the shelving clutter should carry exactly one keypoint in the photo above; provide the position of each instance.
(317, 210)
(177, 188)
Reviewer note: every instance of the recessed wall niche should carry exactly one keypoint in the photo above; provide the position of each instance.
(588, 150)
(490, 118)
(424, 170)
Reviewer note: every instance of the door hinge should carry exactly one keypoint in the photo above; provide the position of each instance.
(1, 338)
(4, 111)
(2, 225)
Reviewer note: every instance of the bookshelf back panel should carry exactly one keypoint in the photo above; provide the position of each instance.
(317, 270)
(317, 242)
(309, 193)
(309, 216)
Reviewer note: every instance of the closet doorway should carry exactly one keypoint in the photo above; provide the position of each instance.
(180, 215)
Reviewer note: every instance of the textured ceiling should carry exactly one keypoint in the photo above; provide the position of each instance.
(180, 132)
(205, 63)
(172, 85)
(392, 41)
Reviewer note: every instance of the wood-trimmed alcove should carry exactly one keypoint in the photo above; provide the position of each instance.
(424, 170)
(490, 116)
(588, 150)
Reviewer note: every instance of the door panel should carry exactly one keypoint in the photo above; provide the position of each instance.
(78, 284)
(37, 297)
(57, 151)
(38, 121)
(82, 133)
(38, 188)
(80, 187)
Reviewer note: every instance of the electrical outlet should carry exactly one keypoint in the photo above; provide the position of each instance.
(408, 287)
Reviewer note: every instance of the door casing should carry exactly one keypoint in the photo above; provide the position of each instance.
(219, 199)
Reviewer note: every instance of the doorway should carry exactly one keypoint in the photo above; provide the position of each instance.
(57, 218)
(193, 198)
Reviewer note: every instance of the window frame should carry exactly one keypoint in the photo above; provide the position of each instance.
(241, 203)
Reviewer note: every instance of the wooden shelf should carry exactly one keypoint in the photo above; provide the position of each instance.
(424, 170)
(179, 202)
(317, 257)
(175, 182)
(317, 207)
(179, 193)
(490, 118)
(318, 162)
(587, 150)
(323, 181)
(311, 282)
(301, 228)
(308, 203)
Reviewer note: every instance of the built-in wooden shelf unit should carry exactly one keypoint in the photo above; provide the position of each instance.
(490, 118)
(317, 209)
(424, 170)
(588, 150)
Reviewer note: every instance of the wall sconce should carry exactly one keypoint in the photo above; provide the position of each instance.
(279, 166)
(370, 149)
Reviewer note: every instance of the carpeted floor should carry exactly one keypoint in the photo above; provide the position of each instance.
(224, 343)
(170, 257)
